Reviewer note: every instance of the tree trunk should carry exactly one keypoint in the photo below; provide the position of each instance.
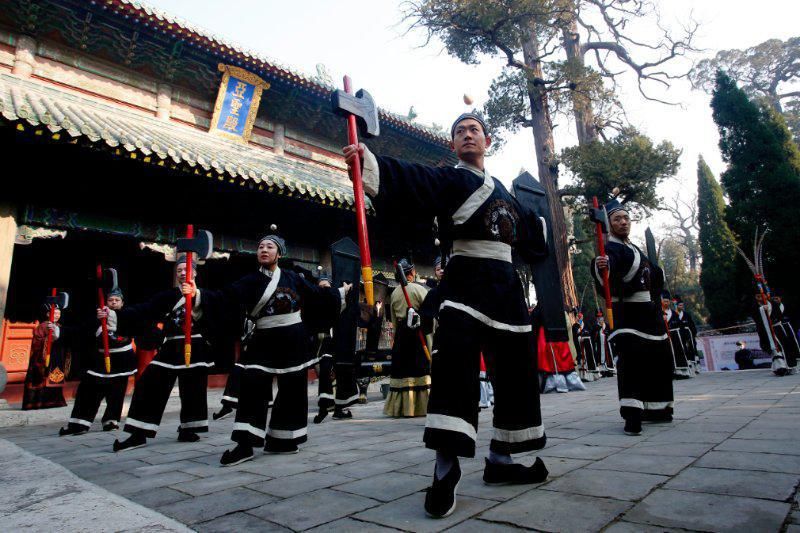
(548, 167)
(581, 104)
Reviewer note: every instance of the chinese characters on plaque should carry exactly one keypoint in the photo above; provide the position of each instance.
(237, 103)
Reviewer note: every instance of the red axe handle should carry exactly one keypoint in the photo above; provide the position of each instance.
(601, 250)
(101, 302)
(187, 321)
(361, 213)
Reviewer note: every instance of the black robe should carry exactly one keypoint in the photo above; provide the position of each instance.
(640, 339)
(768, 338)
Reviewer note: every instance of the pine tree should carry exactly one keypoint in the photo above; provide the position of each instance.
(718, 272)
(762, 182)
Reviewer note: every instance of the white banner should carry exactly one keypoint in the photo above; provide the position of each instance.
(720, 351)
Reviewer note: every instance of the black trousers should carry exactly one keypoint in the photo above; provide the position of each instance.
(345, 393)
(91, 392)
(153, 390)
(452, 420)
(289, 421)
(230, 396)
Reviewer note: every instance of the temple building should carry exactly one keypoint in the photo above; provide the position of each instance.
(121, 124)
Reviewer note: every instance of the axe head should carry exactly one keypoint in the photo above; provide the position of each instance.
(61, 300)
(598, 216)
(361, 106)
(399, 276)
(202, 244)
(110, 279)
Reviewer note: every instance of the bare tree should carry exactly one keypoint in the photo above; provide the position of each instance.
(684, 226)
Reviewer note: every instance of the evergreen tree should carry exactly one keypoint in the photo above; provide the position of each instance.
(762, 182)
(718, 272)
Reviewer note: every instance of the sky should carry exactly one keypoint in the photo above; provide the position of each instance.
(369, 40)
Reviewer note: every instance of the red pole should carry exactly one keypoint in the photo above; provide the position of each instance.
(601, 250)
(101, 302)
(187, 321)
(361, 213)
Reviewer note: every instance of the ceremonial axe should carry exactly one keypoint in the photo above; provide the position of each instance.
(200, 245)
(60, 299)
(600, 219)
(101, 302)
(359, 109)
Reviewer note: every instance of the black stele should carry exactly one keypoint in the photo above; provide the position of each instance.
(440, 501)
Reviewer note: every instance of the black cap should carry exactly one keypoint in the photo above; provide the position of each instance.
(465, 116)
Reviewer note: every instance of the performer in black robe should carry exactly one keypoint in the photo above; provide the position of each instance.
(588, 362)
(639, 339)
(483, 307)
(680, 357)
(688, 333)
(44, 382)
(97, 384)
(154, 386)
(337, 388)
(276, 301)
(600, 333)
(786, 334)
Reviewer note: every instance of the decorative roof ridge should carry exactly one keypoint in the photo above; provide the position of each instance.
(312, 83)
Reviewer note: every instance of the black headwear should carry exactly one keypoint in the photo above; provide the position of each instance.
(665, 295)
(613, 206)
(437, 261)
(324, 275)
(182, 259)
(117, 292)
(465, 116)
(406, 265)
(279, 242)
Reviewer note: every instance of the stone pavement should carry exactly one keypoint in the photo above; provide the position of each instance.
(729, 462)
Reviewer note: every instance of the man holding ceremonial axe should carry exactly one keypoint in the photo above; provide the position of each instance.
(99, 382)
(156, 382)
(639, 338)
(410, 382)
(483, 307)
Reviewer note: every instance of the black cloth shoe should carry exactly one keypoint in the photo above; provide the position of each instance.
(440, 501)
(136, 440)
(72, 430)
(323, 412)
(187, 436)
(237, 455)
(657, 417)
(342, 414)
(633, 427)
(277, 447)
(222, 413)
(514, 473)
(110, 426)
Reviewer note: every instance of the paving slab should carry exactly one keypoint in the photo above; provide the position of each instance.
(767, 462)
(768, 485)
(708, 512)
(223, 480)
(210, 506)
(389, 487)
(549, 511)
(239, 521)
(288, 486)
(312, 509)
(158, 497)
(781, 447)
(647, 464)
(578, 451)
(408, 513)
(349, 525)
(607, 484)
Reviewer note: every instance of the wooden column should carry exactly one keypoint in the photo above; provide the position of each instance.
(279, 139)
(8, 232)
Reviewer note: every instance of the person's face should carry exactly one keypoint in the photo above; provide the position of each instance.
(621, 224)
(600, 320)
(267, 253)
(180, 273)
(56, 315)
(665, 304)
(469, 140)
(324, 283)
(679, 306)
(438, 271)
(776, 299)
(761, 298)
(411, 275)
(115, 302)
